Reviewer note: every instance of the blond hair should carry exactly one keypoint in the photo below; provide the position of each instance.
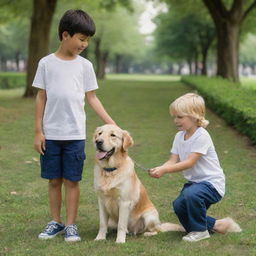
(191, 105)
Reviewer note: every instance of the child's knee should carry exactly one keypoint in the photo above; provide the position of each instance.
(71, 184)
(55, 183)
(177, 205)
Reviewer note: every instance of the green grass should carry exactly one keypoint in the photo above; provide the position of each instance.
(248, 83)
(141, 107)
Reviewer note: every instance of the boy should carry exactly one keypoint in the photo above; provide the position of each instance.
(194, 154)
(64, 79)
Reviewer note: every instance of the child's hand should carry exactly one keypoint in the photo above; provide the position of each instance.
(39, 143)
(156, 172)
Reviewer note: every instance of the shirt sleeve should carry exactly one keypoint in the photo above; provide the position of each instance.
(90, 79)
(201, 144)
(39, 80)
(174, 149)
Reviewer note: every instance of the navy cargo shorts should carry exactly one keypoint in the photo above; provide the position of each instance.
(63, 159)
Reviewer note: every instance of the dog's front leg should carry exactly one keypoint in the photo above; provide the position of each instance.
(124, 212)
(103, 221)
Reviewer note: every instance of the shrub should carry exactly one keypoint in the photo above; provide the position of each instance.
(9, 80)
(233, 103)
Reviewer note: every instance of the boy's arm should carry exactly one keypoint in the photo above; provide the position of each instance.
(98, 108)
(39, 143)
(171, 166)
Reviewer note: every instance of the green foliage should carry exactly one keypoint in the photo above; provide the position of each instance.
(183, 37)
(233, 103)
(10, 80)
(248, 50)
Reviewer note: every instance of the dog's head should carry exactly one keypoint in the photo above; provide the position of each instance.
(109, 140)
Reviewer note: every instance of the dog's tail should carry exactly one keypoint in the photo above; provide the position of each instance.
(167, 226)
(231, 225)
(164, 227)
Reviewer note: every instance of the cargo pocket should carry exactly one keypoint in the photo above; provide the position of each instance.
(79, 160)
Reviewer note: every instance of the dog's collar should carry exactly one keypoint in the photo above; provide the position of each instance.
(110, 169)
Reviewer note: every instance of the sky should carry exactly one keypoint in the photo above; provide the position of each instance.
(151, 10)
(145, 22)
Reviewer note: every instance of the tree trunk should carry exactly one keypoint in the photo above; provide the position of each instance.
(196, 64)
(228, 50)
(228, 23)
(190, 67)
(43, 11)
(101, 59)
(170, 69)
(103, 64)
(180, 66)
(204, 62)
(17, 60)
(118, 58)
(97, 55)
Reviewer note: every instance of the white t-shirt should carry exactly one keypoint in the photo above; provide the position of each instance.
(65, 82)
(207, 168)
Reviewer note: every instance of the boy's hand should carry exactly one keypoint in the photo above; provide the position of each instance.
(39, 143)
(156, 172)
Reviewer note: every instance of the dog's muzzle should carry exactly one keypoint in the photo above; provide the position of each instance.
(101, 153)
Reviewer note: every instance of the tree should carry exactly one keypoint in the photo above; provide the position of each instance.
(13, 31)
(228, 22)
(117, 35)
(228, 17)
(185, 38)
(43, 11)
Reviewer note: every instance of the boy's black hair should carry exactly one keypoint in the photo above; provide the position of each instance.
(76, 21)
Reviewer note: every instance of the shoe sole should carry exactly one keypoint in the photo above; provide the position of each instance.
(72, 241)
(50, 237)
(192, 241)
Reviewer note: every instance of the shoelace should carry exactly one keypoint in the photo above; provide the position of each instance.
(50, 227)
(71, 230)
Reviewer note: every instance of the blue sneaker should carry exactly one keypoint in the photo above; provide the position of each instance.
(52, 229)
(71, 233)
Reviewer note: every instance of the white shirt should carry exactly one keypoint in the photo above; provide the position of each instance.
(207, 168)
(65, 82)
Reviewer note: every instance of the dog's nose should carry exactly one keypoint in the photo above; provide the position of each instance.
(99, 143)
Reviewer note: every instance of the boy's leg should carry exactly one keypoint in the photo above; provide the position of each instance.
(55, 198)
(72, 161)
(72, 195)
(198, 198)
(51, 170)
(180, 210)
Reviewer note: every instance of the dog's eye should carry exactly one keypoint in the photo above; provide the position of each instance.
(112, 135)
(99, 133)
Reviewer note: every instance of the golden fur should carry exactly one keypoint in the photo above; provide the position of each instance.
(123, 201)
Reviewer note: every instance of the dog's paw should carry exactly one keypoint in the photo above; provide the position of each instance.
(121, 236)
(150, 233)
(120, 241)
(100, 237)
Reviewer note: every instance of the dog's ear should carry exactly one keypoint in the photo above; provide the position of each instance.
(127, 140)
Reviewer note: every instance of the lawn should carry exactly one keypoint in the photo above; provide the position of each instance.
(249, 83)
(141, 107)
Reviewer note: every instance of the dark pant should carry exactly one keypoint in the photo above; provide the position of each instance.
(192, 203)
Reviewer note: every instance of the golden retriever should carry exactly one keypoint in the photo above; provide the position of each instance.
(123, 201)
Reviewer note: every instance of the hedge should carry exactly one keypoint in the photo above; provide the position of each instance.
(9, 80)
(233, 103)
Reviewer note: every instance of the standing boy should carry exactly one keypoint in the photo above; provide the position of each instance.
(64, 80)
